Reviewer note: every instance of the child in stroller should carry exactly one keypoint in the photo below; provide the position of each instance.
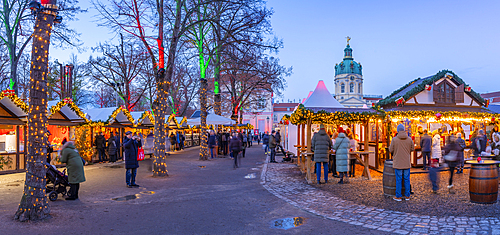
(57, 182)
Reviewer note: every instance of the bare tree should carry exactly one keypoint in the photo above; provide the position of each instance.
(16, 31)
(121, 64)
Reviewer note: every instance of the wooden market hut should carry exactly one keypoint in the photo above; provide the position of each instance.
(63, 117)
(322, 108)
(13, 135)
(438, 102)
(114, 119)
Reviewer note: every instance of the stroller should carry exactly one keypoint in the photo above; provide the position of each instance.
(57, 182)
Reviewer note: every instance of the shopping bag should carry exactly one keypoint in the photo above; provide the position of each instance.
(140, 154)
(263, 147)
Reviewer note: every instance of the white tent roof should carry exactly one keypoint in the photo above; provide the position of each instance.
(212, 119)
(321, 98)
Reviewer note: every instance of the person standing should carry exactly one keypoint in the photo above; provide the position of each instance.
(450, 156)
(401, 148)
(235, 147)
(332, 166)
(321, 145)
(181, 138)
(272, 146)
(224, 143)
(460, 156)
(212, 143)
(50, 150)
(479, 142)
(112, 148)
(118, 146)
(341, 148)
(244, 144)
(436, 146)
(265, 141)
(426, 145)
(352, 157)
(172, 142)
(74, 165)
(131, 145)
(100, 144)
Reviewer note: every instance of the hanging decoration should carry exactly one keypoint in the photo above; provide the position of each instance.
(428, 87)
(400, 101)
(467, 88)
(438, 116)
(302, 114)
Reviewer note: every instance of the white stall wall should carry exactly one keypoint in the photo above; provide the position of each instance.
(292, 139)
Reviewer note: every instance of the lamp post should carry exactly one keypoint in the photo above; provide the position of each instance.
(267, 129)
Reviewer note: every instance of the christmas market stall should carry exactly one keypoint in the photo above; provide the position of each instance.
(105, 120)
(179, 126)
(143, 126)
(213, 120)
(442, 104)
(63, 116)
(322, 108)
(13, 118)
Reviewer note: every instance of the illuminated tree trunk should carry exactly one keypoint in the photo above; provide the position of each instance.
(33, 204)
(162, 88)
(203, 120)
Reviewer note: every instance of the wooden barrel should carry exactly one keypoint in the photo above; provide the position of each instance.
(389, 180)
(483, 183)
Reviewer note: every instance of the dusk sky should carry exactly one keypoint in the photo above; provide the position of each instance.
(395, 41)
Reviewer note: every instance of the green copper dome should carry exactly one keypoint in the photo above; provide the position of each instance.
(348, 65)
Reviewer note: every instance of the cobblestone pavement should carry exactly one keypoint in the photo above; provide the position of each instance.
(286, 182)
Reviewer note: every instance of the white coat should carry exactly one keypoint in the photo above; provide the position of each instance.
(436, 147)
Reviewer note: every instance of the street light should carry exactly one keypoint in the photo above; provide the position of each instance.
(267, 123)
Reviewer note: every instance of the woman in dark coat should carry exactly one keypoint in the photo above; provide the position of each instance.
(112, 148)
(131, 145)
(74, 164)
(235, 147)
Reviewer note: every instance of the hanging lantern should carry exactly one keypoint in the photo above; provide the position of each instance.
(428, 87)
(438, 116)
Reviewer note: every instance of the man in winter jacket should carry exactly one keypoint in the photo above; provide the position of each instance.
(100, 144)
(272, 146)
(479, 142)
(118, 145)
(426, 145)
(401, 148)
(321, 145)
(131, 145)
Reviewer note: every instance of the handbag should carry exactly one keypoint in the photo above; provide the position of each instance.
(140, 154)
(451, 156)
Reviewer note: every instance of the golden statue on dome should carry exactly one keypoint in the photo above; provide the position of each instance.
(348, 39)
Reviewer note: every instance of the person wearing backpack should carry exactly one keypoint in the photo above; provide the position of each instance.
(244, 145)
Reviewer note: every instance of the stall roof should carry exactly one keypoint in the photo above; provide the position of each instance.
(13, 111)
(322, 98)
(145, 118)
(212, 119)
(418, 85)
(65, 113)
(179, 122)
(494, 108)
(110, 116)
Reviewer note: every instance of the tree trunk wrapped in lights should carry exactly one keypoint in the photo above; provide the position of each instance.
(33, 204)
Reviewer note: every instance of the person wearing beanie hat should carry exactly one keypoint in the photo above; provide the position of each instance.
(341, 130)
(321, 145)
(401, 148)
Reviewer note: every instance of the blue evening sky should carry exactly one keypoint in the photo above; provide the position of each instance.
(395, 41)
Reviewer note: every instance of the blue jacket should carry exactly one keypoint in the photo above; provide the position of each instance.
(131, 151)
(265, 139)
(426, 143)
(211, 141)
